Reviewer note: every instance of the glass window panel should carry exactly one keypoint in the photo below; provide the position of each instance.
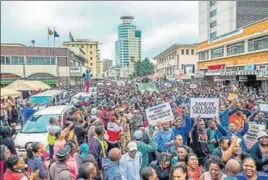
(21, 60)
(47, 61)
(237, 48)
(41, 61)
(15, 60)
(35, 61)
(53, 61)
(203, 55)
(29, 60)
(3, 58)
(187, 51)
(8, 61)
(217, 52)
(213, 13)
(258, 43)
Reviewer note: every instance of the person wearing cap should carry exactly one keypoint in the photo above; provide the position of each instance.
(259, 151)
(145, 149)
(58, 170)
(131, 162)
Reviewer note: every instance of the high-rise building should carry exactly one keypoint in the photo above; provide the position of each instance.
(216, 18)
(91, 49)
(128, 44)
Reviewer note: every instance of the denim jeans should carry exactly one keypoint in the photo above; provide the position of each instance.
(51, 151)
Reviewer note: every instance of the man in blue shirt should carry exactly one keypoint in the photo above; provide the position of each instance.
(183, 128)
(28, 111)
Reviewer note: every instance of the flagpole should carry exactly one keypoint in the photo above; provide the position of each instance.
(47, 41)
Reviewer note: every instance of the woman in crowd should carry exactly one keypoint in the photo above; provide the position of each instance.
(148, 174)
(194, 171)
(162, 166)
(4, 155)
(7, 140)
(59, 142)
(215, 167)
(35, 159)
(178, 172)
(71, 163)
(182, 152)
(250, 171)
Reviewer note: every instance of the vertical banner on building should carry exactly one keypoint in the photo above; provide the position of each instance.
(251, 136)
(158, 113)
(204, 107)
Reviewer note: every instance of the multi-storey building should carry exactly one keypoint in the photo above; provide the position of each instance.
(92, 52)
(54, 66)
(128, 45)
(178, 57)
(216, 18)
(240, 56)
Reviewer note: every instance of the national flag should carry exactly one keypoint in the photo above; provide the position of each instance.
(50, 32)
(71, 38)
(56, 34)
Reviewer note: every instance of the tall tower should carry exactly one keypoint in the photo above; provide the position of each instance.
(128, 44)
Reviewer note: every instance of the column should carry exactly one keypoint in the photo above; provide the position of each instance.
(246, 46)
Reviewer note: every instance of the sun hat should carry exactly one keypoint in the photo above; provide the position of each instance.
(62, 154)
(261, 134)
(138, 135)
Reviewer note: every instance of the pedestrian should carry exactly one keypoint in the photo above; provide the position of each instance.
(113, 131)
(87, 172)
(162, 166)
(148, 173)
(178, 172)
(71, 162)
(232, 168)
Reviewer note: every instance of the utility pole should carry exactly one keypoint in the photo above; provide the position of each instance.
(33, 41)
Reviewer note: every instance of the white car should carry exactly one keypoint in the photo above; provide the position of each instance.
(85, 96)
(35, 130)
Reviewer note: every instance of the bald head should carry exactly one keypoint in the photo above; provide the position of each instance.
(115, 154)
(232, 167)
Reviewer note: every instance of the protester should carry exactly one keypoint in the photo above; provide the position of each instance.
(7, 140)
(71, 162)
(87, 172)
(182, 152)
(194, 171)
(232, 168)
(148, 173)
(215, 168)
(178, 172)
(131, 162)
(162, 166)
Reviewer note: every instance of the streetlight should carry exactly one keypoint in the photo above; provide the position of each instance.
(33, 41)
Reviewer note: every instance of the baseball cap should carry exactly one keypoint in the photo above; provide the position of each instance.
(138, 134)
(132, 146)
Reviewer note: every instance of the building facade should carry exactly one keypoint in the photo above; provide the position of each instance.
(217, 18)
(177, 58)
(240, 56)
(54, 66)
(128, 44)
(92, 53)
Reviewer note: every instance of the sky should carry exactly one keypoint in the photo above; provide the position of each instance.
(163, 23)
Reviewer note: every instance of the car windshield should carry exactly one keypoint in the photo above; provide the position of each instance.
(38, 124)
(40, 99)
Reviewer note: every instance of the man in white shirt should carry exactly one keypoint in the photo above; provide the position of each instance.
(131, 162)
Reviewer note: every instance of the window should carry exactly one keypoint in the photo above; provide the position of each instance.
(53, 61)
(71, 63)
(237, 48)
(192, 51)
(213, 24)
(203, 55)
(213, 13)
(35, 60)
(8, 61)
(217, 52)
(212, 3)
(91, 64)
(213, 35)
(91, 52)
(90, 46)
(258, 43)
(187, 51)
(47, 61)
(29, 60)
(3, 60)
(41, 61)
(91, 58)
(182, 51)
(15, 60)
(21, 60)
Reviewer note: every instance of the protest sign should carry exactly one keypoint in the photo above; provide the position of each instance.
(232, 96)
(168, 85)
(120, 83)
(193, 86)
(204, 107)
(252, 134)
(147, 87)
(264, 107)
(158, 113)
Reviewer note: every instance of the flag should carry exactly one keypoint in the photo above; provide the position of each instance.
(71, 38)
(56, 34)
(50, 32)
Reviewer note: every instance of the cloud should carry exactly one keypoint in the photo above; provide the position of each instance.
(107, 48)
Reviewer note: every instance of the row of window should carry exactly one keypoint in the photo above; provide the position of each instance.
(237, 48)
(187, 52)
(81, 46)
(17, 60)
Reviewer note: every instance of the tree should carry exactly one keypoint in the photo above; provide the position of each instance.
(144, 68)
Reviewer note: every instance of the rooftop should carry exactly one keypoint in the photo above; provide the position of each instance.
(82, 41)
(13, 44)
(173, 47)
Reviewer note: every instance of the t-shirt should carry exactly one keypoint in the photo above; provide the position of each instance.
(27, 113)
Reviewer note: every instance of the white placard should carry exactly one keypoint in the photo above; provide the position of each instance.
(204, 107)
(169, 85)
(252, 134)
(193, 86)
(263, 107)
(161, 112)
(120, 83)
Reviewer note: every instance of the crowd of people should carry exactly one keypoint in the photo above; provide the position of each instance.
(109, 137)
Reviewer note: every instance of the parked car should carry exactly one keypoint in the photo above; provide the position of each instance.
(85, 96)
(48, 97)
(36, 127)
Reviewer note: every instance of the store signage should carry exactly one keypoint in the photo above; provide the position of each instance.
(249, 67)
(242, 78)
(216, 67)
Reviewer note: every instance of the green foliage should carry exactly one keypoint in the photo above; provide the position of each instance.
(144, 68)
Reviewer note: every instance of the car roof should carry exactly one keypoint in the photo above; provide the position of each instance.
(83, 94)
(50, 93)
(53, 110)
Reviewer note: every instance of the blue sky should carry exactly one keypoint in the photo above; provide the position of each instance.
(163, 23)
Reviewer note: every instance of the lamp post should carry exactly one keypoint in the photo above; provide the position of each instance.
(33, 41)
